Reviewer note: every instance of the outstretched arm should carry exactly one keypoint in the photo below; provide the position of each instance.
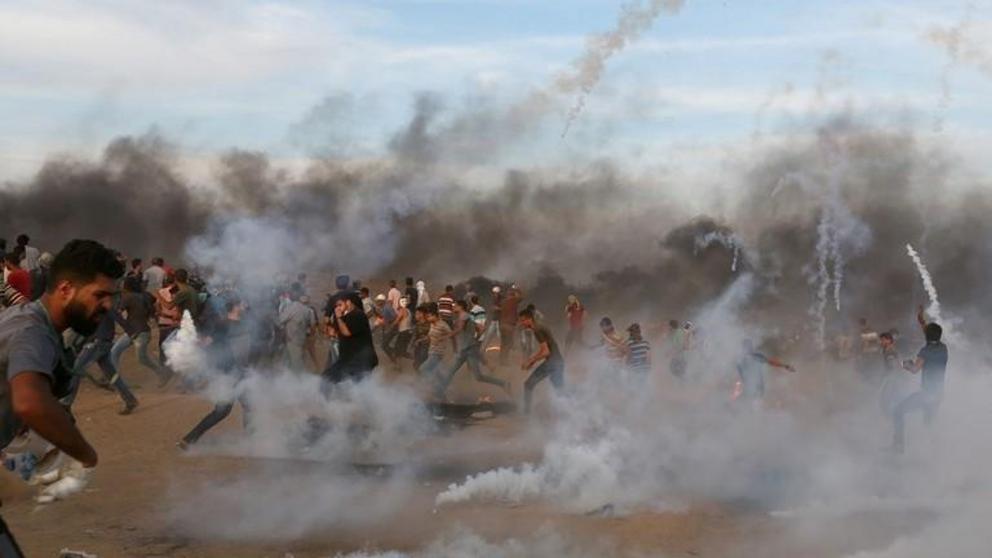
(543, 352)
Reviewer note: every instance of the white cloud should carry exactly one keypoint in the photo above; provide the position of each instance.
(53, 44)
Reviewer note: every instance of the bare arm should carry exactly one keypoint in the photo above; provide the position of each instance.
(542, 352)
(33, 402)
(400, 316)
(920, 318)
(914, 365)
(777, 363)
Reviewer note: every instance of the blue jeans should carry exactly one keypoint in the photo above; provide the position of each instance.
(141, 342)
(100, 352)
(553, 370)
(473, 357)
(924, 401)
(431, 368)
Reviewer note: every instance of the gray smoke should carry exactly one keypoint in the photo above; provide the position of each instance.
(134, 199)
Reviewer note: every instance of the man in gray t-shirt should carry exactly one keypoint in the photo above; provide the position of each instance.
(34, 368)
(466, 333)
(154, 276)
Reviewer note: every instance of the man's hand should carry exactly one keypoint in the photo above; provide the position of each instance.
(33, 402)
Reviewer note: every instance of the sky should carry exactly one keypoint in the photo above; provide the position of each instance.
(212, 75)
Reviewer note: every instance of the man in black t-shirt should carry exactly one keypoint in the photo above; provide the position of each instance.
(356, 354)
(411, 293)
(931, 361)
(553, 366)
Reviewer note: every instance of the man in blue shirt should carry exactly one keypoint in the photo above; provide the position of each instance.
(931, 362)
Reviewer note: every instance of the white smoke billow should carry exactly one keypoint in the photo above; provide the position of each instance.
(934, 308)
(464, 543)
(727, 240)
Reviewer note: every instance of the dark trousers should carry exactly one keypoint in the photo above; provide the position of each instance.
(401, 348)
(555, 371)
(924, 401)
(507, 340)
(388, 339)
(8, 546)
(214, 417)
(163, 333)
(473, 358)
(99, 352)
(420, 352)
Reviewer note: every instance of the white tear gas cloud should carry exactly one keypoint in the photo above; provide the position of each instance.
(634, 20)
(624, 444)
(370, 423)
(463, 543)
(366, 422)
(618, 444)
(283, 504)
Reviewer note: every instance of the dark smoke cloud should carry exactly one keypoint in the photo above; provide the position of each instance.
(593, 230)
(132, 199)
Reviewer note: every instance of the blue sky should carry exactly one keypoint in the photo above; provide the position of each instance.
(224, 73)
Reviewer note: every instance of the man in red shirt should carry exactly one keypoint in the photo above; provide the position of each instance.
(576, 321)
(17, 278)
(508, 322)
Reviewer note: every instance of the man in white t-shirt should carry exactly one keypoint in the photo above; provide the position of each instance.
(31, 254)
(154, 276)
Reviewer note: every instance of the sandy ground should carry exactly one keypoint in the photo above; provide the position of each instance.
(130, 508)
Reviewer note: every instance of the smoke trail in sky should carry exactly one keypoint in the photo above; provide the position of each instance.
(934, 308)
(634, 21)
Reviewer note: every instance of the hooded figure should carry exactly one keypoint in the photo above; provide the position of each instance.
(423, 296)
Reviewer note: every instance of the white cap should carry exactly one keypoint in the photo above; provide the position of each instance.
(380, 297)
(496, 289)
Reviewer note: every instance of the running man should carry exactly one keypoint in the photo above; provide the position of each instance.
(638, 351)
(931, 362)
(576, 314)
(615, 347)
(137, 309)
(751, 372)
(553, 365)
(223, 357)
(437, 347)
(466, 333)
(35, 370)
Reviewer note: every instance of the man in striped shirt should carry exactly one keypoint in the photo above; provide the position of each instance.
(638, 351)
(446, 305)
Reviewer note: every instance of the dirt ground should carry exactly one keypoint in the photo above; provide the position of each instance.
(130, 506)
